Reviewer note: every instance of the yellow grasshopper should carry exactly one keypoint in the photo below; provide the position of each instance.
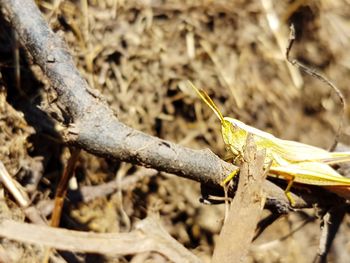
(292, 161)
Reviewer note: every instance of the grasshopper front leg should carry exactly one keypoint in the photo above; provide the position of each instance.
(235, 158)
(224, 184)
(229, 177)
(288, 194)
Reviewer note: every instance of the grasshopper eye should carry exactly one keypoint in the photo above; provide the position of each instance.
(227, 125)
(232, 127)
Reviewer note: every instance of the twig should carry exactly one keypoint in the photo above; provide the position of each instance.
(339, 253)
(88, 193)
(274, 24)
(17, 65)
(330, 224)
(55, 8)
(62, 187)
(319, 76)
(148, 236)
(245, 210)
(20, 196)
(60, 195)
(13, 187)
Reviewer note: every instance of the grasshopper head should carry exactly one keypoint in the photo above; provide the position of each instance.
(234, 137)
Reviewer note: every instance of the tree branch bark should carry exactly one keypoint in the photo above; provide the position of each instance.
(245, 210)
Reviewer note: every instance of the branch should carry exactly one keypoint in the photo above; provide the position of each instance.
(245, 209)
(330, 225)
(149, 235)
(319, 76)
(94, 127)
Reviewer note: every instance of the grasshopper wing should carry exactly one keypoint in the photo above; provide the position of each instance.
(313, 173)
(291, 151)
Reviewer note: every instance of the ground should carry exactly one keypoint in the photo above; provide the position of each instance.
(139, 54)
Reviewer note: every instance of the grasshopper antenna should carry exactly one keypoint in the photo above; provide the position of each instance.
(204, 96)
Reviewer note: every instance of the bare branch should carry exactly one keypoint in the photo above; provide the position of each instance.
(245, 210)
(13, 187)
(330, 224)
(94, 127)
(148, 236)
(319, 76)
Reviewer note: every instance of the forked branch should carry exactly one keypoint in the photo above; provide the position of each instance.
(94, 127)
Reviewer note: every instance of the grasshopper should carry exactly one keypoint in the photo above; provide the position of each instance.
(292, 161)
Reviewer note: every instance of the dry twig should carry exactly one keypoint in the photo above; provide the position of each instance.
(330, 224)
(274, 24)
(13, 187)
(245, 210)
(20, 196)
(60, 195)
(319, 76)
(62, 187)
(148, 236)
